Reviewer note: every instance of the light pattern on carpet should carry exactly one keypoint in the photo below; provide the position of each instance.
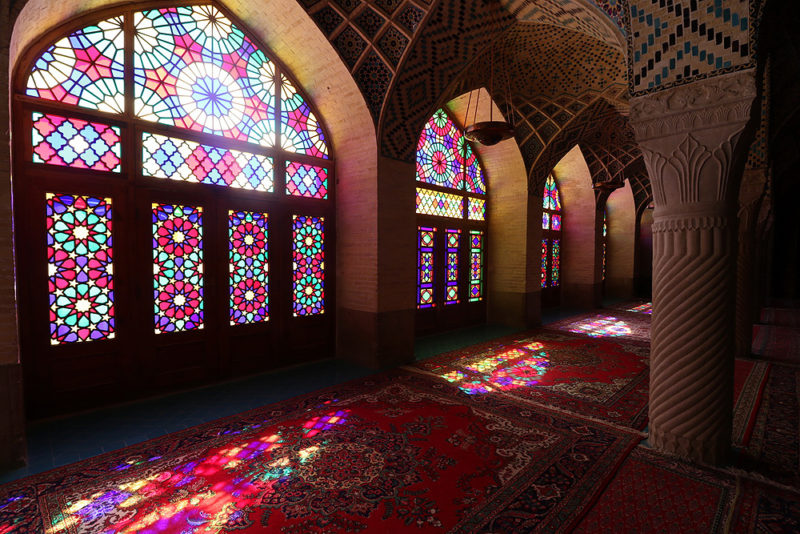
(599, 378)
(618, 324)
(389, 453)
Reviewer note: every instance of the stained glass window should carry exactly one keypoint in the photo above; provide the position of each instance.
(605, 242)
(178, 267)
(193, 68)
(308, 254)
(451, 274)
(476, 266)
(426, 238)
(471, 173)
(85, 68)
(178, 159)
(477, 209)
(81, 275)
(69, 142)
(248, 267)
(440, 204)
(306, 180)
(551, 227)
(300, 130)
(545, 248)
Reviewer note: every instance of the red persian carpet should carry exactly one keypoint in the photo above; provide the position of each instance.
(777, 343)
(390, 453)
(616, 324)
(781, 316)
(604, 379)
(651, 493)
(763, 508)
(749, 380)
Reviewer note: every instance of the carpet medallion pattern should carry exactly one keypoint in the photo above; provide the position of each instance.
(394, 452)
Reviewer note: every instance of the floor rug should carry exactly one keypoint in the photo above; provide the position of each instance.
(390, 453)
(607, 324)
(651, 493)
(774, 448)
(604, 379)
(781, 317)
(750, 378)
(777, 343)
(762, 508)
(635, 306)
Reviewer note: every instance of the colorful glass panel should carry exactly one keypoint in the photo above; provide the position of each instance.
(471, 177)
(193, 68)
(426, 238)
(556, 265)
(556, 226)
(306, 180)
(308, 254)
(248, 267)
(545, 221)
(75, 143)
(178, 267)
(439, 204)
(551, 200)
(81, 274)
(604, 261)
(301, 132)
(476, 266)
(545, 247)
(85, 68)
(179, 159)
(451, 275)
(476, 210)
(436, 152)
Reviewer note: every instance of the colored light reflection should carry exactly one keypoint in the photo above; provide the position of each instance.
(602, 327)
(647, 308)
(521, 366)
(204, 494)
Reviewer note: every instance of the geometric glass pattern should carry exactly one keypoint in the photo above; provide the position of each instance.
(439, 204)
(551, 226)
(178, 159)
(476, 266)
(249, 267)
(551, 200)
(306, 180)
(75, 143)
(605, 242)
(451, 275)
(177, 267)
(554, 271)
(308, 254)
(301, 132)
(477, 209)
(545, 247)
(79, 255)
(193, 68)
(426, 238)
(85, 68)
(445, 158)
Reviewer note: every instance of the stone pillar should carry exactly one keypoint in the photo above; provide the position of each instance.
(750, 195)
(689, 136)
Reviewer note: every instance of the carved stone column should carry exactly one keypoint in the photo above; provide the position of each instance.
(750, 195)
(689, 136)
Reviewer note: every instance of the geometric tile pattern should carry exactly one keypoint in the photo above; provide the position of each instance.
(683, 40)
(572, 15)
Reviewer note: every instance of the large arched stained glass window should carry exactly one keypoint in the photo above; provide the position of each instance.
(165, 148)
(551, 234)
(451, 210)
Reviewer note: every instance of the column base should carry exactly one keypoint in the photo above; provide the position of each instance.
(707, 451)
(13, 450)
(379, 340)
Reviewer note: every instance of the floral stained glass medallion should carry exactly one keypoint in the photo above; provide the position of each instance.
(81, 274)
(177, 267)
(308, 251)
(248, 267)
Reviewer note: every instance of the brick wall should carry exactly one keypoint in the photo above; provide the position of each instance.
(621, 210)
